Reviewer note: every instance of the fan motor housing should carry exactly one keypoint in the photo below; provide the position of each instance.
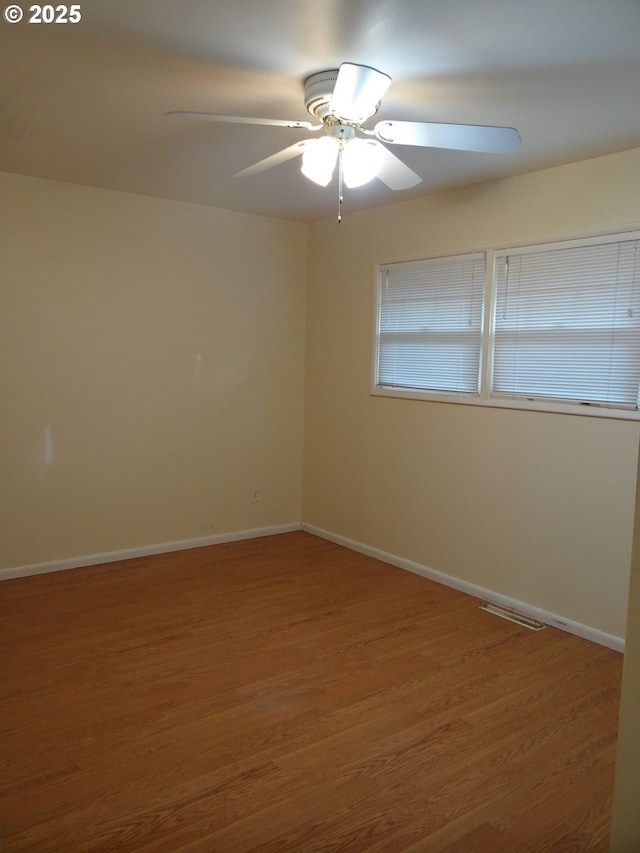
(318, 90)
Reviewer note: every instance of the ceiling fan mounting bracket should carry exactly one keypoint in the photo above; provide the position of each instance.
(341, 131)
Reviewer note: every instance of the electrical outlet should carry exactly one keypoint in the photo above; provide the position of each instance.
(255, 495)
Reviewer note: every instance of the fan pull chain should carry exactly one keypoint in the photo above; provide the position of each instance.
(340, 197)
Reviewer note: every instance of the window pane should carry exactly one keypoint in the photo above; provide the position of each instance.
(430, 325)
(567, 324)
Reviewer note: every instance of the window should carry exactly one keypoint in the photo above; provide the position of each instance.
(567, 324)
(553, 327)
(430, 325)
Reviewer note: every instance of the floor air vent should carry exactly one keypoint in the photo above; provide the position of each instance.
(513, 616)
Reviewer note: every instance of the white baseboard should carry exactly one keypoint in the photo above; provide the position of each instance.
(577, 628)
(557, 621)
(144, 551)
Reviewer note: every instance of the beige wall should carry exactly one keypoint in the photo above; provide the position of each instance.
(535, 506)
(152, 371)
(625, 830)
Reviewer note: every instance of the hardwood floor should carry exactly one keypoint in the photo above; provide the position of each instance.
(286, 694)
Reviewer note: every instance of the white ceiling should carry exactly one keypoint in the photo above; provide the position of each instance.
(84, 102)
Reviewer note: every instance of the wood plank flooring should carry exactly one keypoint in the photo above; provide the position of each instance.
(286, 694)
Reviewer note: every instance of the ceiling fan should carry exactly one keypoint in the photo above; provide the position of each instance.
(344, 100)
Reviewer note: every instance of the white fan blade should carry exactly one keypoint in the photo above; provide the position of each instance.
(274, 160)
(394, 173)
(274, 122)
(357, 92)
(461, 137)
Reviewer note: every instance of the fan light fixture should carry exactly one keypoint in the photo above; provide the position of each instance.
(361, 160)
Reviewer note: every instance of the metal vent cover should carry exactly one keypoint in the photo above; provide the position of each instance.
(513, 616)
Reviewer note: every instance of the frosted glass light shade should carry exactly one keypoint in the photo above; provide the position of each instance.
(319, 160)
(361, 161)
(357, 92)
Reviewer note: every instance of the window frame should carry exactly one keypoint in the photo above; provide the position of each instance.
(487, 397)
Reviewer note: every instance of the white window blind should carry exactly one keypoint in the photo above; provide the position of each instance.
(567, 324)
(430, 325)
